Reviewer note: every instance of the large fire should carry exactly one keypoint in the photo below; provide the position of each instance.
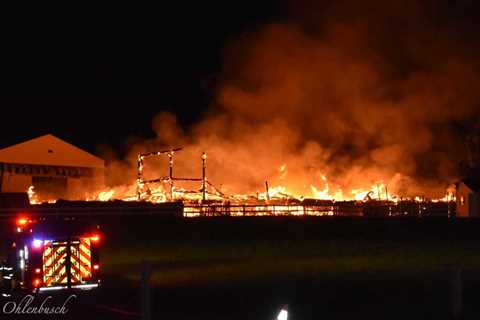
(165, 189)
(276, 200)
(326, 107)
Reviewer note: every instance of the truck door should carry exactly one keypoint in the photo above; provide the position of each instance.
(67, 263)
(55, 263)
(80, 261)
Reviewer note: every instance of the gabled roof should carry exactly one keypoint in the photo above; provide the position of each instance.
(49, 150)
(472, 184)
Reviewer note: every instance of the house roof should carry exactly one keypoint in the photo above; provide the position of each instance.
(473, 184)
(49, 150)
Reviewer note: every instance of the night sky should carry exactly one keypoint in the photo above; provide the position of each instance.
(97, 75)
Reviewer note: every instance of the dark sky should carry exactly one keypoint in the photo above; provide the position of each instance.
(96, 75)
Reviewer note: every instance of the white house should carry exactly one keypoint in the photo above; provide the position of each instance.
(468, 198)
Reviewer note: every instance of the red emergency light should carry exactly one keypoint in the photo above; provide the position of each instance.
(37, 282)
(22, 221)
(95, 238)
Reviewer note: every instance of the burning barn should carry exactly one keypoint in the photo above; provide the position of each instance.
(50, 167)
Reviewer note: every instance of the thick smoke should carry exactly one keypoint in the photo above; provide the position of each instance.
(344, 95)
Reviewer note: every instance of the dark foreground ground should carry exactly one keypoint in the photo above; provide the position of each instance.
(248, 268)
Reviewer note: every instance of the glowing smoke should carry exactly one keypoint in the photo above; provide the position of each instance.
(356, 94)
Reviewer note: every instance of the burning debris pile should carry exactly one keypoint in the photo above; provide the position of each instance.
(166, 189)
(208, 200)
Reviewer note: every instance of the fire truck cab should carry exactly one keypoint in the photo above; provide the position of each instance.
(55, 254)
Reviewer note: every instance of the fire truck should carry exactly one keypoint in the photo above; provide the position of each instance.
(51, 254)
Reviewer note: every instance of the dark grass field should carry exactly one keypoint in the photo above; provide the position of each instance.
(247, 268)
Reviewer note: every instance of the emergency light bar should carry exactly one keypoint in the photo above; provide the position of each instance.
(22, 221)
(37, 243)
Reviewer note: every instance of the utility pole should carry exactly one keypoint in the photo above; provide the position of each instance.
(170, 174)
(268, 191)
(457, 291)
(146, 291)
